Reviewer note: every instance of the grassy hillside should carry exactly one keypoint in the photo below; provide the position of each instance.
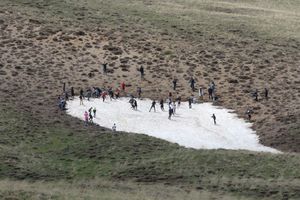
(242, 45)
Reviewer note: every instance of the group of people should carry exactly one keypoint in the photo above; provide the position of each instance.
(96, 92)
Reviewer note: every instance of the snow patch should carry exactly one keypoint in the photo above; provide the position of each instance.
(193, 128)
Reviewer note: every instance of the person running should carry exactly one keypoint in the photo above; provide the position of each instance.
(214, 118)
(161, 103)
(266, 93)
(153, 106)
(170, 111)
(190, 100)
(192, 84)
(81, 99)
(86, 118)
(94, 111)
(174, 84)
(114, 128)
(139, 92)
(104, 67)
(142, 72)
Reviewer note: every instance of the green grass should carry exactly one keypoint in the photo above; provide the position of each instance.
(56, 153)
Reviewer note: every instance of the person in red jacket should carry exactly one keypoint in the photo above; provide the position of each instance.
(123, 86)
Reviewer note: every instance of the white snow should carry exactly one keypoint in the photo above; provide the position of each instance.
(193, 128)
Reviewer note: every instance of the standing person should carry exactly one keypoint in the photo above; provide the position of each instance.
(104, 67)
(190, 100)
(123, 86)
(117, 94)
(152, 106)
(142, 72)
(161, 102)
(104, 93)
(170, 111)
(248, 112)
(91, 117)
(86, 118)
(214, 118)
(210, 93)
(174, 84)
(72, 92)
(89, 94)
(81, 99)
(201, 93)
(114, 128)
(266, 93)
(192, 84)
(255, 94)
(81, 92)
(135, 104)
(179, 101)
(174, 107)
(139, 92)
(64, 87)
(94, 111)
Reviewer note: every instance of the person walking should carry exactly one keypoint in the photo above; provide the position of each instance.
(161, 102)
(139, 92)
(214, 118)
(153, 106)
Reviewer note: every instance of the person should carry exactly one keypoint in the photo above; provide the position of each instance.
(170, 111)
(142, 71)
(94, 111)
(139, 92)
(89, 93)
(266, 93)
(248, 112)
(111, 93)
(123, 86)
(174, 107)
(192, 84)
(135, 104)
(210, 93)
(64, 87)
(117, 94)
(255, 94)
(86, 118)
(114, 128)
(174, 84)
(81, 99)
(72, 92)
(104, 95)
(161, 102)
(201, 93)
(190, 100)
(91, 117)
(81, 92)
(153, 106)
(179, 101)
(214, 118)
(104, 67)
